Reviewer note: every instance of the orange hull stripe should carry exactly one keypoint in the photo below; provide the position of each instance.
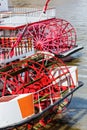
(26, 106)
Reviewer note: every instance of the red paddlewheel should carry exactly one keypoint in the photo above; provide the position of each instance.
(42, 74)
(55, 36)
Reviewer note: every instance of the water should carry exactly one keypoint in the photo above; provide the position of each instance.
(73, 11)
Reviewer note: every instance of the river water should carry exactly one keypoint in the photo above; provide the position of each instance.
(74, 11)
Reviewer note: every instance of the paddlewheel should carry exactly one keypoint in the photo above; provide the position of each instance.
(55, 35)
(44, 75)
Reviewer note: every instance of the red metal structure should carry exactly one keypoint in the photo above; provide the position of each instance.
(55, 35)
(33, 73)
